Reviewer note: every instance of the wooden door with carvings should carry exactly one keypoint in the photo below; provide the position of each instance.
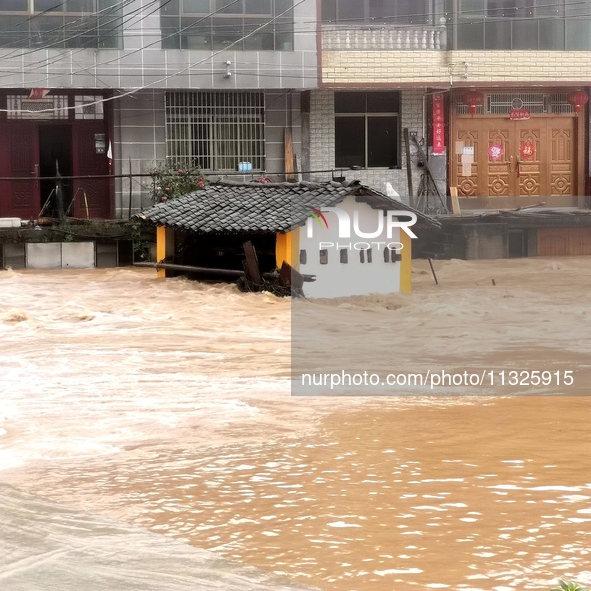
(562, 160)
(515, 163)
(529, 152)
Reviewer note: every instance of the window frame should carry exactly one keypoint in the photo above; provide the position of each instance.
(333, 9)
(188, 112)
(63, 29)
(488, 28)
(176, 25)
(366, 116)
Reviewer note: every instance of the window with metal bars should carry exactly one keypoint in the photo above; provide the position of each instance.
(61, 23)
(215, 130)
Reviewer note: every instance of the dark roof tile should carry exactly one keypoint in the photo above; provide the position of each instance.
(226, 206)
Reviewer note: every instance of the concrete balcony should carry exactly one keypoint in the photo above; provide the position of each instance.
(382, 38)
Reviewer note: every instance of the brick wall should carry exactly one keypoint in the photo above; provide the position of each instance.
(322, 143)
(432, 67)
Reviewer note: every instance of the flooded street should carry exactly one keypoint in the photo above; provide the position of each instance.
(159, 414)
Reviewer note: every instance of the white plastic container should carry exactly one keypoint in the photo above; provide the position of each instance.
(10, 222)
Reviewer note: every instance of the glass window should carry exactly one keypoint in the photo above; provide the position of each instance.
(367, 132)
(231, 25)
(16, 5)
(215, 130)
(578, 34)
(13, 31)
(552, 34)
(471, 35)
(521, 24)
(382, 142)
(227, 31)
(62, 24)
(525, 34)
(196, 6)
(384, 11)
(257, 6)
(54, 5)
(350, 102)
(79, 6)
(498, 34)
(196, 34)
(263, 39)
(350, 141)
(229, 6)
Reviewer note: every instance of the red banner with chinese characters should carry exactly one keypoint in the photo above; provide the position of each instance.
(438, 125)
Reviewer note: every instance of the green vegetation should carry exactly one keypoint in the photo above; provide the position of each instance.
(173, 181)
(569, 586)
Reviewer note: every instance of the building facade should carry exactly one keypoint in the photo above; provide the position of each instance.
(99, 88)
(502, 87)
(488, 96)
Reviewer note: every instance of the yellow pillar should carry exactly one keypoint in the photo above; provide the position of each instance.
(161, 248)
(286, 248)
(406, 263)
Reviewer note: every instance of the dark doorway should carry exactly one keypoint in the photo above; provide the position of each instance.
(517, 243)
(55, 155)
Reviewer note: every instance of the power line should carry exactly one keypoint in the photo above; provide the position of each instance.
(118, 6)
(181, 71)
(49, 61)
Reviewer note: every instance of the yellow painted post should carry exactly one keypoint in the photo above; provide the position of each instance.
(406, 263)
(286, 247)
(160, 249)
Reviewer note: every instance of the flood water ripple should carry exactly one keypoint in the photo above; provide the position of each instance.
(165, 406)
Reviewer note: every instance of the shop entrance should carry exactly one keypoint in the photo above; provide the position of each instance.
(55, 158)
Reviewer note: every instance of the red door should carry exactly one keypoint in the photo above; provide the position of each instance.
(92, 196)
(20, 159)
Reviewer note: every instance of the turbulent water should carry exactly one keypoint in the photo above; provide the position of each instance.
(148, 439)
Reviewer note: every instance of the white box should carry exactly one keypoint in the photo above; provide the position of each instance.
(10, 222)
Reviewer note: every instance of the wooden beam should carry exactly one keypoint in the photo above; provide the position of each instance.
(251, 264)
(288, 144)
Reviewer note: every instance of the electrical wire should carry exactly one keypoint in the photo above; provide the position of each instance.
(257, 74)
(181, 71)
(64, 27)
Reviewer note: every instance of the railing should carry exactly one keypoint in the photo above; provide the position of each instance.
(382, 38)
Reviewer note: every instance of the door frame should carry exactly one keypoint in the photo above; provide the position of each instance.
(504, 202)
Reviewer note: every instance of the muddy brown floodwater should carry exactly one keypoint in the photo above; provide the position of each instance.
(166, 404)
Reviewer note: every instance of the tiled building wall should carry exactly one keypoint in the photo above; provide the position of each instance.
(322, 144)
(433, 67)
(142, 62)
(139, 144)
(282, 111)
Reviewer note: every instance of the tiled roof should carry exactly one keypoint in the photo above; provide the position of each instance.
(230, 207)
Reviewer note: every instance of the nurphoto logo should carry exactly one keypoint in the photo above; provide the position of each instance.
(388, 220)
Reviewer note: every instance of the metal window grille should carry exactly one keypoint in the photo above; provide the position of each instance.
(88, 107)
(19, 106)
(502, 104)
(215, 130)
(559, 103)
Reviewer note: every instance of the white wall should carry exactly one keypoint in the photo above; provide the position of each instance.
(337, 279)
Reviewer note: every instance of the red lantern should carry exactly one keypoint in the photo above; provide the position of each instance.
(473, 99)
(577, 100)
